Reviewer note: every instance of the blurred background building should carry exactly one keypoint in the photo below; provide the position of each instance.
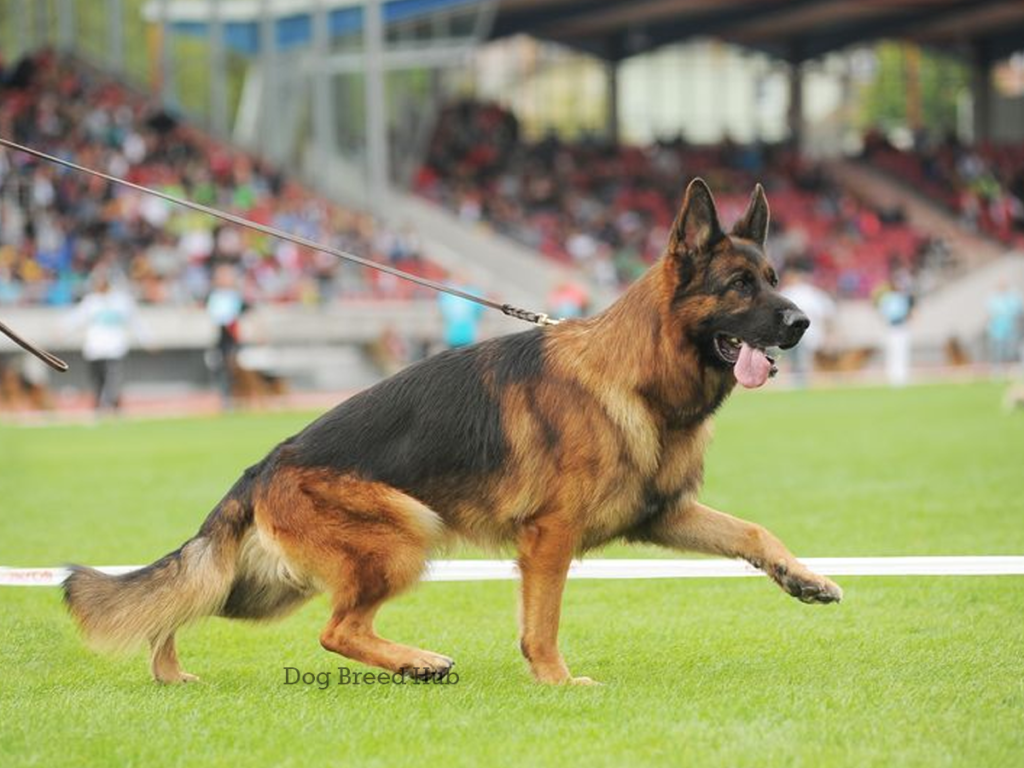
(535, 151)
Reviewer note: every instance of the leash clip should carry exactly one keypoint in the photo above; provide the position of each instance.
(537, 318)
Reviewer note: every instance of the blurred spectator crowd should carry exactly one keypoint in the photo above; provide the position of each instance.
(608, 208)
(57, 227)
(983, 184)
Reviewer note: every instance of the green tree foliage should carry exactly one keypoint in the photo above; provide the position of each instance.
(886, 102)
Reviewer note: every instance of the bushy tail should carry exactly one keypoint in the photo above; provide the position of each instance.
(119, 613)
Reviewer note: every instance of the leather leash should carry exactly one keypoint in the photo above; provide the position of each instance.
(537, 318)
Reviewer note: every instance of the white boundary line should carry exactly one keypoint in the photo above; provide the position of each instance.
(501, 570)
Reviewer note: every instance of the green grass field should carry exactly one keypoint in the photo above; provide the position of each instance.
(906, 671)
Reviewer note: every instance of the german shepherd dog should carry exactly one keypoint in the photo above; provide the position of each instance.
(555, 440)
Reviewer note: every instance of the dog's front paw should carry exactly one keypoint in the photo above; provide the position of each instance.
(558, 674)
(805, 586)
(428, 666)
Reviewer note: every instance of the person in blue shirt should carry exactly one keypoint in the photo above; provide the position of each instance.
(461, 318)
(1005, 311)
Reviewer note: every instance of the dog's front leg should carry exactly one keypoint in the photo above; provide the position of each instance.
(545, 551)
(697, 528)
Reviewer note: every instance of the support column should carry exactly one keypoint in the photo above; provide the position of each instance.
(21, 27)
(218, 72)
(268, 133)
(611, 118)
(323, 93)
(760, 87)
(796, 104)
(66, 25)
(168, 83)
(912, 76)
(376, 120)
(40, 24)
(115, 34)
(981, 91)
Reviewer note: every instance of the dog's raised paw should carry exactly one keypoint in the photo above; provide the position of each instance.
(813, 591)
(805, 586)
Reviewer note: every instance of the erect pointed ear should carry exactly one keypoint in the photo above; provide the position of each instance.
(696, 227)
(754, 224)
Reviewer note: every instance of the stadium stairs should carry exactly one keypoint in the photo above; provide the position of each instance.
(496, 265)
(956, 309)
(953, 310)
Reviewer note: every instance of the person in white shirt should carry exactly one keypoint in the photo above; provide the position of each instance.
(820, 309)
(110, 319)
(896, 304)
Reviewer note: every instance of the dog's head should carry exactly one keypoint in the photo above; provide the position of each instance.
(724, 292)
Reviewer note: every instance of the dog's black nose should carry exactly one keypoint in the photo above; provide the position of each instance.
(795, 321)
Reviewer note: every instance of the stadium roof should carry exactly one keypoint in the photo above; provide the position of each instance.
(791, 29)
(616, 29)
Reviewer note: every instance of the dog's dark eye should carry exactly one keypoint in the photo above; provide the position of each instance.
(744, 285)
(773, 279)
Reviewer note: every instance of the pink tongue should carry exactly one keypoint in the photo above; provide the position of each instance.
(752, 367)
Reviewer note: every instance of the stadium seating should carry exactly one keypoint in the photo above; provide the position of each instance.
(58, 226)
(608, 208)
(984, 185)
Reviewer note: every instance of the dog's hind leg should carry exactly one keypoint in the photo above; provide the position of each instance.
(164, 662)
(350, 633)
(697, 528)
(363, 542)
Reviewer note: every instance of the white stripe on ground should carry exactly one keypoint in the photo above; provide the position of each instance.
(496, 570)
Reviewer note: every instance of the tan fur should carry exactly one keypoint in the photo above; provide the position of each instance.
(120, 613)
(607, 384)
(607, 442)
(361, 542)
(617, 417)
